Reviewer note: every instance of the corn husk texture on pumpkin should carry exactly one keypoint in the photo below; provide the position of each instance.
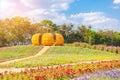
(59, 39)
(47, 39)
(36, 39)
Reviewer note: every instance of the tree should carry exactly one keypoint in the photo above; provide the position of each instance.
(49, 25)
(81, 31)
(3, 34)
(89, 35)
(66, 31)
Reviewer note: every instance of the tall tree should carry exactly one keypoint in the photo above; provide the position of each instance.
(89, 35)
(66, 30)
(49, 25)
(81, 31)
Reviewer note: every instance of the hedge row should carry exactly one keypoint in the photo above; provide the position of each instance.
(113, 49)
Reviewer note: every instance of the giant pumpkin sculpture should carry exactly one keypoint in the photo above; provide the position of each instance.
(59, 40)
(36, 39)
(47, 39)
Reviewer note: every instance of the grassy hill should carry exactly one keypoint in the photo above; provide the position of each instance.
(65, 54)
(8, 53)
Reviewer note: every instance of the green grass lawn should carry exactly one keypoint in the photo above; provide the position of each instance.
(7, 53)
(63, 55)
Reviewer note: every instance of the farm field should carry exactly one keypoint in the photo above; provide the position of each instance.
(9, 53)
(64, 55)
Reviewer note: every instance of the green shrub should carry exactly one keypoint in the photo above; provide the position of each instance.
(118, 50)
(112, 49)
(76, 43)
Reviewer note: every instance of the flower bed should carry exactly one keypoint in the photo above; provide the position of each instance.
(113, 74)
(60, 72)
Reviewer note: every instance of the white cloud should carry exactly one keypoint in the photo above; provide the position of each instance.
(47, 9)
(116, 7)
(7, 8)
(47, 4)
(5, 4)
(117, 4)
(92, 17)
(62, 6)
(36, 3)
(32, 8)
(51, 9)
(98, 20)
(56, 17)
(116, 1)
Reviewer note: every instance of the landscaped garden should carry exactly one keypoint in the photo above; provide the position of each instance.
(59, 40)
(78, 61)
(64, 55)
(66, 62)
(64, 72)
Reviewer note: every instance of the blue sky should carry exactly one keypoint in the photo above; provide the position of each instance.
(105, 6)
(100, 14)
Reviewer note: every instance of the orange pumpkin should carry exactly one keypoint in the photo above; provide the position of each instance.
(47, 39)
(59, 40)
(36, 39)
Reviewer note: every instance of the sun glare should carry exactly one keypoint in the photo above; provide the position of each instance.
(6, 5)
(3, 5)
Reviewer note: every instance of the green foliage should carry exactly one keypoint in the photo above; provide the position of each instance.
(67, 32)
(49, 25)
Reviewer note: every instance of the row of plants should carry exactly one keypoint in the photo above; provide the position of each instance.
(113, 49)
(60, 72)
(113, 74)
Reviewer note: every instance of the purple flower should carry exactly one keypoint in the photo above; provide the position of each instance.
(113, 74)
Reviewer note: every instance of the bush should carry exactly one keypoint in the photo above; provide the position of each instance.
(118, 50)
(112, 49)
(76, 44)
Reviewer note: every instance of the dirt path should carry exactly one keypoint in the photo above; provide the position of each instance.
(43, 50)
(2, 70)
(23, 69)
